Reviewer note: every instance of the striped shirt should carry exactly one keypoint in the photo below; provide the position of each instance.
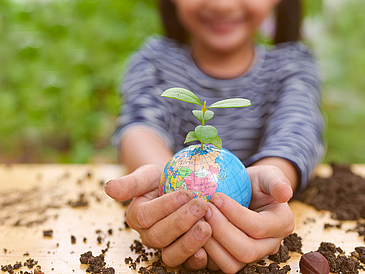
(283, 85)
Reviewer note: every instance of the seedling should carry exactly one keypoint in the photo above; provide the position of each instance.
(206, 134)
(210, 168)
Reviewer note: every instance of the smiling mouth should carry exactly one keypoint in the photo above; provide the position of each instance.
(222, 26)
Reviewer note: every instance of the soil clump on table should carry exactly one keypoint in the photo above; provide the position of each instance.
(30, 263)
(338, 261)
(96, 263)
(343, 194)
(294, 243)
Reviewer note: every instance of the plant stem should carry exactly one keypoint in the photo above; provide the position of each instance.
(203, 122)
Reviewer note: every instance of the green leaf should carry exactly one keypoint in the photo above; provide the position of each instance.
(182, 95)
(231, 103)
(217, 142)
(190, 137)
(199, 115)
(205, 134)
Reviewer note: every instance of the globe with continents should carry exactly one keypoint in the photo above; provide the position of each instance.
(206, 171)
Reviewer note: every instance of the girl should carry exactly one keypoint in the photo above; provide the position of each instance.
(209, 48)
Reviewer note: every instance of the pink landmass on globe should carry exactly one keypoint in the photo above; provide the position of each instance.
(205, 186)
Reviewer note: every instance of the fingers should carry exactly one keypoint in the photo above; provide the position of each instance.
(271, 180)
(143, 212)
(211, 264)
(234, 242)
(139, 182)
(187, 245)
(221, 258)
(275, 220)
(197, 261)
(168, 229)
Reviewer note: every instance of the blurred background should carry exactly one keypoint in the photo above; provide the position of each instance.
(61, 63)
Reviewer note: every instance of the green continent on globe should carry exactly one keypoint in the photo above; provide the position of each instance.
(205, 172)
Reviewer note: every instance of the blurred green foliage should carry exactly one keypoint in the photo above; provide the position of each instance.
(61, 63)
(312, 7)
(345, 90)
(342, 51)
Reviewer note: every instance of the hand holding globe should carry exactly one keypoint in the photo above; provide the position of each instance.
(229, 234)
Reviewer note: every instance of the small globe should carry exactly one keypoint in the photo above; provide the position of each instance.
(206, 171)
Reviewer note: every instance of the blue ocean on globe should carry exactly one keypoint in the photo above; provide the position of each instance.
(206, 171)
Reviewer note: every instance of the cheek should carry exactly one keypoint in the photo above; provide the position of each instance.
(258, 11)
(187, 11)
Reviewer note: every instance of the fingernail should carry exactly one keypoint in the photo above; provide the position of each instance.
(199, 233)
(106, 185)
(208, 215)
(183, 198)
(199, 254)
(197, 210)
(218, 202)
(286, 183)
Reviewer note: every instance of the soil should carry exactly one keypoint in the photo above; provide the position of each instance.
(273, 268)
(281, 256)
(360, 229)
(31, 210)
(359, 253)
(340, 263)
(30, 263)
(343, 194)
(294, 243)
(48, 233)
(96, 263)
(38, 205)
(157, 267)
(80, 202)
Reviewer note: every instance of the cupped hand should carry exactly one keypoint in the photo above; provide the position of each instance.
(242, 235)
(172, 222)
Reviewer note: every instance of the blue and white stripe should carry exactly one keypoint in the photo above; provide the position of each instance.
(283, 85)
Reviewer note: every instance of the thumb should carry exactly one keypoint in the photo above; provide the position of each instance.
(273, 182)
(144, 179)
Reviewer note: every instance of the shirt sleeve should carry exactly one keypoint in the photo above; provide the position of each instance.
(294, 128)
(142, 103)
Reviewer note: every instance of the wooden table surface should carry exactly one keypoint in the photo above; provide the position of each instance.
(36, 198)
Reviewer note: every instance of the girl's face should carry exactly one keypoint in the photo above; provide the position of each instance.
(222, 25)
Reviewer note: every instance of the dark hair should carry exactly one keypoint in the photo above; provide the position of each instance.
(288, 21)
